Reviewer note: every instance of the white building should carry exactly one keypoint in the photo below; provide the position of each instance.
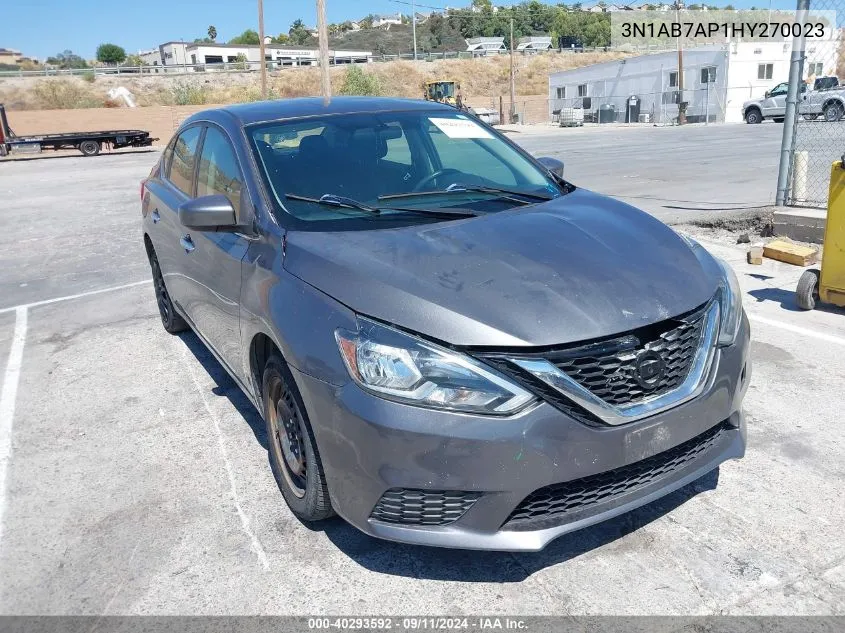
(486, 45)
(717, 80)
(387, 20)
(533, 43)
(198, 56)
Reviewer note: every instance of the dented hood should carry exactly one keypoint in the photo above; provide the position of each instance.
(579, 267)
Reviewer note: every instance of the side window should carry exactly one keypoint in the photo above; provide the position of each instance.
(166, 159)
(218, 170)
(397, 145)
(181, 170)
(467, 155)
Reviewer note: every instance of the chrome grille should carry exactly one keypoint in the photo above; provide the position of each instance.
(555, 504)
(423, 507)
(608, 369)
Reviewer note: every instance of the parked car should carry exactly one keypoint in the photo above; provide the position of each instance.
(450, 344)
(827, 100)
(771, 106)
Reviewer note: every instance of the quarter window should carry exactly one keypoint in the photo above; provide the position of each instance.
(181, 168)
(218, 169)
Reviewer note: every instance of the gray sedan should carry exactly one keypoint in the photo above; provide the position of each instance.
(450, 344)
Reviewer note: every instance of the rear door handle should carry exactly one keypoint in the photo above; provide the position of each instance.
(156, 216)
(187, 243)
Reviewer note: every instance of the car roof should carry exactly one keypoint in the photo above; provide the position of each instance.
(247, 113)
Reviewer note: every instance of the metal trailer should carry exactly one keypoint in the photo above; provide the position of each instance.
(89, 143)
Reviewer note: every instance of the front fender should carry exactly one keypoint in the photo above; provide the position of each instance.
(297, 317)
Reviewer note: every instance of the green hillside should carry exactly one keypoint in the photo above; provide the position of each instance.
(398, 39)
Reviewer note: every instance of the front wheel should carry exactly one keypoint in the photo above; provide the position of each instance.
(807, 292)
(293, 451)
(753, 116)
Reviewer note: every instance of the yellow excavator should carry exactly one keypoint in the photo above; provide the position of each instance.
(444, 91)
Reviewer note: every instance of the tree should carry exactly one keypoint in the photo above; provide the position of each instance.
(133, 61)
(248, 37)
(281, 38)
(110, 54)
(298, 34)
(212, 33)
(67, 59)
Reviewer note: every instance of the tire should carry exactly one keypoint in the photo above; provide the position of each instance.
(807, 292)
(753, 116)
(832, 112)
(170, 319)
(89, 148)
(294, 457)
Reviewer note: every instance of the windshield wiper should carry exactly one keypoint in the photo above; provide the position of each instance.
(332, 200)
(459, 187)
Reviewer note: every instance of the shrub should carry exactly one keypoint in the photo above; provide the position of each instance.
(185, 93)
(61, 94)
(89, 76)
(357, 82)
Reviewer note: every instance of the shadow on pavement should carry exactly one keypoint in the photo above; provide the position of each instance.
(226, 386)
(15, 158)
(430, 563)
(786, 299)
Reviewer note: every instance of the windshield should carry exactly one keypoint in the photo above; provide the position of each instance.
(441, 89)
(432, 160)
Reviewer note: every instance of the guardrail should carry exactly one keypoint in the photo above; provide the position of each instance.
(281, 64)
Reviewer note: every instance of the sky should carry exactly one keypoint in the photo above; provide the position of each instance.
(41, 28)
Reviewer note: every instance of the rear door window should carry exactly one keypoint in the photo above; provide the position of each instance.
(219, 172)
(181, 168)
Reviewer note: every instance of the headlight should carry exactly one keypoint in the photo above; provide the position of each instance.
(730, 304)
(400, 367)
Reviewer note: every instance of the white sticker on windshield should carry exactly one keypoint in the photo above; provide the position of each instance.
(460, 128)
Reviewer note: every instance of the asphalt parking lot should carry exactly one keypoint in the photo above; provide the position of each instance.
(134, 476)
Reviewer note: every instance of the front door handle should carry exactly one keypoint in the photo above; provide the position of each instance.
(156, 216)
(187, 243)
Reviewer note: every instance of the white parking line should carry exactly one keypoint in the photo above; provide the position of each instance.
(7, 403)
(230, 472)
(797, 329)
(45, 302)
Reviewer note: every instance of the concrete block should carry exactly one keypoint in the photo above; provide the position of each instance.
(803, 225)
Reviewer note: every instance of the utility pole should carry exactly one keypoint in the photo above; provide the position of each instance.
(323, 35)
(261, 49)
(682, 105)
(796, 72)
(513, 81)
(414, 25)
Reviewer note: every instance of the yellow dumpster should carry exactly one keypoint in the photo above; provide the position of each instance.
(828, 285)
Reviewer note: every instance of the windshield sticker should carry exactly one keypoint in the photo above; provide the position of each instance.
(460, 128)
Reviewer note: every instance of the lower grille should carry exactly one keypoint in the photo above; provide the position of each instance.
(553, 504)
(423, 507)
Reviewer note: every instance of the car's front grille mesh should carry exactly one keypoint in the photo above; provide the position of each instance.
(423, 507)
(608, 369)
(556, 503)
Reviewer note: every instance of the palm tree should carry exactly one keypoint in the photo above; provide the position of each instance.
(212, 33)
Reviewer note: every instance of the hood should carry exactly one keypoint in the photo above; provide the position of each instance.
(579, 267)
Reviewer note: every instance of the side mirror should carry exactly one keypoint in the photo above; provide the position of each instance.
(208, 213)
(552, 164)
(768, 94)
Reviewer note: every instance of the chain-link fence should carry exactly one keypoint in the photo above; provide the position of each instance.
(818, 137)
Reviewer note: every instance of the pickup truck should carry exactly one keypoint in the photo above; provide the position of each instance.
(827, 98)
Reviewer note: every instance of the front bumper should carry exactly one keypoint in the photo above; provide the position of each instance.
(370, 446)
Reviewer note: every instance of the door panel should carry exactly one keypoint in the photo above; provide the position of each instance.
(212, 259)
(173, 187)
